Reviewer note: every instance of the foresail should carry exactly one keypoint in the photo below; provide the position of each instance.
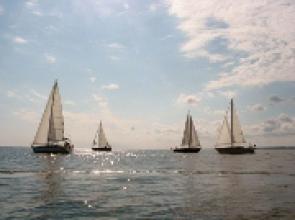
(186, 133)
(224, 133)
(41, 136)
(56, 122)
(238, 136)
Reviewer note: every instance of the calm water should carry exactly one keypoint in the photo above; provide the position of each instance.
(147, 185)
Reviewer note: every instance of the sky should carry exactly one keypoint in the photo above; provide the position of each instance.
(140, 66)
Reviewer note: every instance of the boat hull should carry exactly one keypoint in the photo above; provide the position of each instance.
(236, 150)
(187, 150)
(102, 148)
(53, 149)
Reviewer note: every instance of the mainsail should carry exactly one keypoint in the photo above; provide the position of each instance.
(231, 133)
(100, 135)
(51, 127)
(190, 136)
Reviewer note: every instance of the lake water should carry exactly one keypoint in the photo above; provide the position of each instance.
(147, 184)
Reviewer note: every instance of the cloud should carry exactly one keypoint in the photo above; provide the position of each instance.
(256, 108)
(32, 95)
(19, 40)
(102, 101)
(111, 86)
(27, 115)
(116, 46)
(276, 99)
(188, 99)
(155, 6)
(92, 79)
(283, 124)
(228, 94)
(50, 59)
(259, 37)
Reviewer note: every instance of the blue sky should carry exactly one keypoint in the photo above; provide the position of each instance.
(141, 65)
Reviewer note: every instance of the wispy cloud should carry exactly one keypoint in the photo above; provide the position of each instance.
(19, 40)
(114, 57)
(50, 59)
(115, 45)
(102, 101)
(190, 99)
(276, 99)
(256, 108)
(92, 79)
(111, 86)
(268, 57)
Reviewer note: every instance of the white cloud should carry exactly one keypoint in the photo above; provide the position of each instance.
(50, 59)
(102, 101)
(191, 99)
(228, 94)
(126, 6)
(262, 30)
(280, 125)
(256, 108)
(154, 7)
(19, 40)
(27, 115)
(92, 79)
(115, 45)
(111, 86)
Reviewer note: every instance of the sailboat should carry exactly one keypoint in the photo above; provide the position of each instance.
(100, 142)
(49, 137)
(231, 139)
(190, 141)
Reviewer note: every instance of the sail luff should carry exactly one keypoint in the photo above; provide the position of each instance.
(41, 136)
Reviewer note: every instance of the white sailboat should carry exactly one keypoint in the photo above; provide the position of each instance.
(100, 142)
(190, 141)
(231, 139)
(49, 137)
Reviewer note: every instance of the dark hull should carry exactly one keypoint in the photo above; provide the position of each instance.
(187, 150)
(52, 149)
(236, 150)
(102, 148)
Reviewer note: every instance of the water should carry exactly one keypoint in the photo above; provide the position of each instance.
(150, 184)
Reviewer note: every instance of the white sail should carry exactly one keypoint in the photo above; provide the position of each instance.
(186, 133)
(51, 127)
(195, 142)
(56, 123)
(190, 137)
(41, 136)
(238, 136)
(224, 133)
(100, 138)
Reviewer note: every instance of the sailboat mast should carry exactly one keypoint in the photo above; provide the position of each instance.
(231, 121)
(190, 131)
(51, 112)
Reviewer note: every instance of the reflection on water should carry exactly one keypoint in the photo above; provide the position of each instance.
(147, 185)
(51, 177)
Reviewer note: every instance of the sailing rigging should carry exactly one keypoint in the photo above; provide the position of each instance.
(49, 137)
(231, 139)
(100, 142)
(190, 141)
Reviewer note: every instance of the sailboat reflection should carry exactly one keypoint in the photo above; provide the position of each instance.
(51, 177)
